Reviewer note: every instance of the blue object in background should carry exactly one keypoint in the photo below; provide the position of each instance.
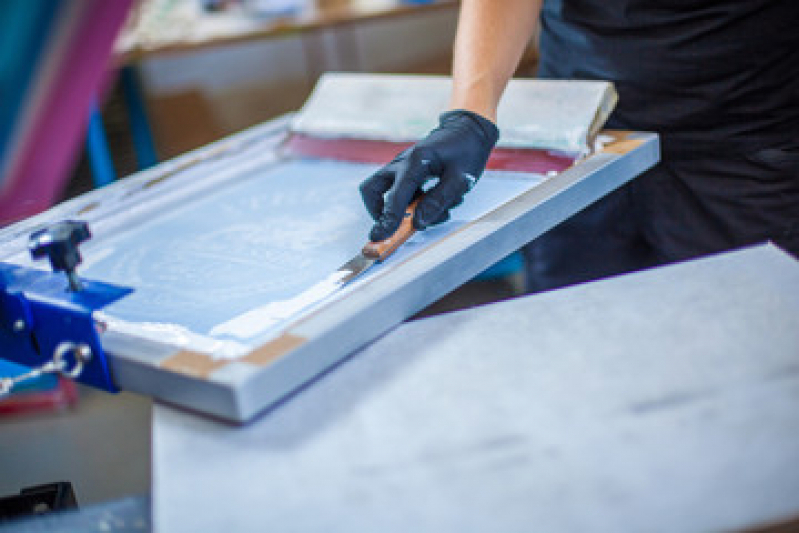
(42, 383)
(143, 143)
(100, 159)
(513, 264)
(24, 29)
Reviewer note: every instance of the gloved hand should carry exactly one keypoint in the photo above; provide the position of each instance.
(455, 153)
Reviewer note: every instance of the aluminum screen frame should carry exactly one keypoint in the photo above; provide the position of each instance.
(237, 390)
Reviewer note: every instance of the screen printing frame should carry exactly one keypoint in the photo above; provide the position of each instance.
(238, 389)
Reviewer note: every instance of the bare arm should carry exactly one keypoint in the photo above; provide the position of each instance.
(491, 38)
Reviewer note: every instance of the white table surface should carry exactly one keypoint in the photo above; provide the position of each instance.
(666, 400)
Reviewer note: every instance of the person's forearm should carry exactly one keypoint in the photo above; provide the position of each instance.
(492, 36)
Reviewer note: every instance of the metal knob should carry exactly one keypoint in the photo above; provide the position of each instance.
(59, 242)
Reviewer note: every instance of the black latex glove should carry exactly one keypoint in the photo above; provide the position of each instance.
(455, 153)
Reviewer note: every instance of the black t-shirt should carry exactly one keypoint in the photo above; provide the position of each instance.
(700, 72)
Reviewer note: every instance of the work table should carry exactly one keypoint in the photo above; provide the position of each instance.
(658, 401)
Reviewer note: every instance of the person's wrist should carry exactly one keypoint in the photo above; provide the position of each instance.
(477, 101)
(487, 128)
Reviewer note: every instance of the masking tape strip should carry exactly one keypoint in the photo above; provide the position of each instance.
(194, 364)
(622, 143)
(200, 365)
(274, 349)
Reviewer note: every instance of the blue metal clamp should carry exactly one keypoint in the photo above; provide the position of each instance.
(38, 314)
(43, 317)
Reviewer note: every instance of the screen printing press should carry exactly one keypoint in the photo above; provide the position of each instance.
(206, 282)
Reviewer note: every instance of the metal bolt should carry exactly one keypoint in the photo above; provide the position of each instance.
(83, 353)
(75, 284)
(19, 326)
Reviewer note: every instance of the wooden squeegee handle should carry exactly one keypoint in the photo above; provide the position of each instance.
(381, 249)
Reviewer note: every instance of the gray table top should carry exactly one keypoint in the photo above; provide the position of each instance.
(659, 401)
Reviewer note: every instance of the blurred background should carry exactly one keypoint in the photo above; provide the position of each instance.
(204, 69)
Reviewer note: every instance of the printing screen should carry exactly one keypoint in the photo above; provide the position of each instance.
(223, 273)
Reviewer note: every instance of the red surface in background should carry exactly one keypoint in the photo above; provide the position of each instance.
(362, 151)
(63, 396)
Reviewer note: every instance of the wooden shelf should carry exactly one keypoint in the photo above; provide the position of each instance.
(322, 15)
